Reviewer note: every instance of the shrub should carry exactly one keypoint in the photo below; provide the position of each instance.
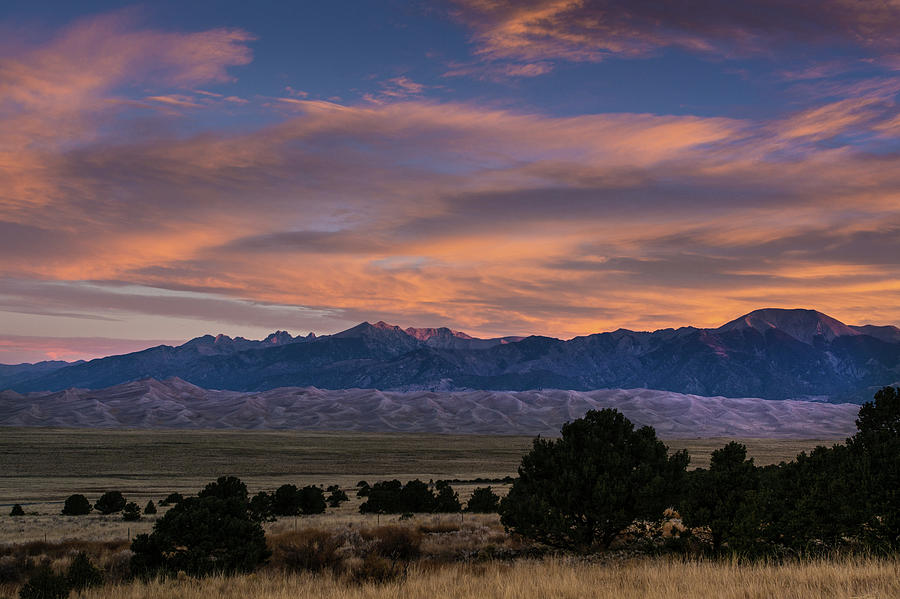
(17, 510)
(76, 505)
(581, 490)
(44, 584)
(110, 503)
(203, 535)
(311, 550)
(287, 501)
(150, 508)
(715, 497)
(377, 570)
(12, 568)
(390, 497)
(337, 497)
(447, 500)
(82, 574)
(262, 507)
(225, 487)
(312, 500)
(172, 499)
(131, 512)
(397, 542)
(483, 501)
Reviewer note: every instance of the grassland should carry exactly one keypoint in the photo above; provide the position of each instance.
(461, 556)
(556, 579)
(39, 468)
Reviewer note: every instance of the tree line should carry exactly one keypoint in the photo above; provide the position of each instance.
(582, 490)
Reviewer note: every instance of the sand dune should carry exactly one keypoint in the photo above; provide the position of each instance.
(173, 403)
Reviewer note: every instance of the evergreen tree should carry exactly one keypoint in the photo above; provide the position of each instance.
(76, 505)
(581, 490)
(110, 503)
(214, 533)
(131, 512)
(715, 496)
(483, 501)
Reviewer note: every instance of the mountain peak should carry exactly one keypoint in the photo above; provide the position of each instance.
(278, 338)
(801, 324)
(424, 334)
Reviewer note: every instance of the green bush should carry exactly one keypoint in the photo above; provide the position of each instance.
(17, 510)
(110, 503)
(225, 487)
(131, 512)
(582, 490)
(76, 505)
(82, 574)
(150, 508)
(336, 498)
(44, 584)
(204, 535)
(446, 500)
(172, 499)
(262, 508)
(483, 501)
(312, 500)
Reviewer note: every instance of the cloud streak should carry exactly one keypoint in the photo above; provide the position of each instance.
(494, 221)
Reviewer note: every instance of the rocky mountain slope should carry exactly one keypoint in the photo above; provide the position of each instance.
(771, 354)
(175, 403)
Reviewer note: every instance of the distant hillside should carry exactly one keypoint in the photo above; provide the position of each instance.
(770, 353)
(176, 404)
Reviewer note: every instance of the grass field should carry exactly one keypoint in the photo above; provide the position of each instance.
(39, 468)
(636, 579)
(39, 465)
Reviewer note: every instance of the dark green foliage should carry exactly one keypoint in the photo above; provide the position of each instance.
(287, 501)
(714, 497)
(383, 498)
(332, 488)
(876, 448)
(203, 535)
(261, 508)
(483, 501)
(76, 505)
(82, 574)
(845, 496)
(364, 489)
(446, 499)
(150, 508)
(44, 584)
(312, 500)
(581, 490)
(172, 499)
(226, 487)
(415, 496)
(131, 512)
(17, 510)
(336, 498)
(110, 503)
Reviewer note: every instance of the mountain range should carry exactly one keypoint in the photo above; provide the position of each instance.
(772, 354)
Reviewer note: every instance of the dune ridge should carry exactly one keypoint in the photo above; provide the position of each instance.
(174, 403)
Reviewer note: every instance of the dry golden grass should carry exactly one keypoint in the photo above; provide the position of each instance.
(557, 579)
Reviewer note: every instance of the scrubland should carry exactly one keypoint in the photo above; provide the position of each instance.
(346, 554)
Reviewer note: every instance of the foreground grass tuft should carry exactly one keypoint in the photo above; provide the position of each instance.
(644, 578)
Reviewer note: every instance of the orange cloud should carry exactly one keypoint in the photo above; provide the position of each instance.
(418, 212)
(591, 30)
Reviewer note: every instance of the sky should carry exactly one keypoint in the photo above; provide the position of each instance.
(556, 167)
